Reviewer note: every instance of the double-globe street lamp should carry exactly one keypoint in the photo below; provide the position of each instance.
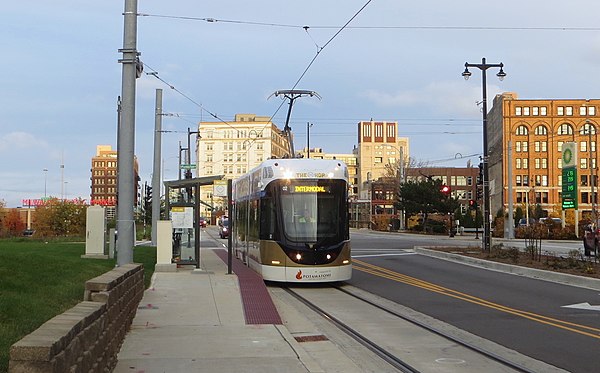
(483, 66)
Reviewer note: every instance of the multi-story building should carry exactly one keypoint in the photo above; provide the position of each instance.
(349, 159)
(461, 180)
(526, 137)
(233, 148)
(380, 152)
(104, 179)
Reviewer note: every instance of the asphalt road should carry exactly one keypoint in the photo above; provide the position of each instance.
(523, 314)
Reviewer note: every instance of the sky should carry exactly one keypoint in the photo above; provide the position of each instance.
(395, 60)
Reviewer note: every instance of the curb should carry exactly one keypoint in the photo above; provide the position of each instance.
(562, 278)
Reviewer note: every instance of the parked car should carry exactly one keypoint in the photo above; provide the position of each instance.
(224, 228)
(203, 222)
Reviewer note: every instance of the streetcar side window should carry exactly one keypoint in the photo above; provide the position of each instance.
(268, 219)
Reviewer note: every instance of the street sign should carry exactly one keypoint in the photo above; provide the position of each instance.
(188, 166)
(220, 188)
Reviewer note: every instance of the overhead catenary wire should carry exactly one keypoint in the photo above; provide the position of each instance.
(379, 27)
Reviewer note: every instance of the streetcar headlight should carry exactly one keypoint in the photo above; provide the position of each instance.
(346, 261)
(330, 174)
(287, 174)
(298, 256)
(328, 256)
(276, 262)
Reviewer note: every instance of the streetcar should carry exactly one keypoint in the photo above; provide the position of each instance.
(290, 220)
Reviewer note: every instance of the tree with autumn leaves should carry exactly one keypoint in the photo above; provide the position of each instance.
(58, 218)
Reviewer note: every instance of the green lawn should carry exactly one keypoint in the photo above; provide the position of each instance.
(39, 280)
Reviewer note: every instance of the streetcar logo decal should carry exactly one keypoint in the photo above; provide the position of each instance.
(313, 276)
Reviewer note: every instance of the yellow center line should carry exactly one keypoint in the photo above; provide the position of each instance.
(399, 277)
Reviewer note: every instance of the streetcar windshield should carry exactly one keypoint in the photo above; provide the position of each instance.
(311, 210)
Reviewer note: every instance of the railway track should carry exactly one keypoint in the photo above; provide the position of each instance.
(407, 343)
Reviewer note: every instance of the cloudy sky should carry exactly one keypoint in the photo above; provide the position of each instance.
(397, 60)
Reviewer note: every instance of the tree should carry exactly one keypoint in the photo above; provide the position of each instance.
(60, 218)
(425, 197)
(12, 223)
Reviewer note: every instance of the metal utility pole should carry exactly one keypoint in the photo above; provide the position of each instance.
(156, 165)
(308, 125)
(483, 66)
(292, 95)
(592, 166)
(125, 173)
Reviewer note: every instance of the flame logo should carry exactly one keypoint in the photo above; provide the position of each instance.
(299, 275)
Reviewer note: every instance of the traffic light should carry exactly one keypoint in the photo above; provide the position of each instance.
(472, 204)
(479, 193)
(148, 198)
(445, 189)
(480, 176)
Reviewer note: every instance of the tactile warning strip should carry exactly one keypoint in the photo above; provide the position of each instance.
(258, 305)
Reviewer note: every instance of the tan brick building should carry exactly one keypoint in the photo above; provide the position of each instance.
(537, 130)
(232, 148)
(379, 149)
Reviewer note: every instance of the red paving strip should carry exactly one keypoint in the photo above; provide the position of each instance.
(258, 305)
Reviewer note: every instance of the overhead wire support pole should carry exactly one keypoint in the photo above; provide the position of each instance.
(156, 171)
(483, 66)
(126, 142)
(292, 95)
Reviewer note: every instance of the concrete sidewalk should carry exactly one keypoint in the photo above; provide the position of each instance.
(193, 321)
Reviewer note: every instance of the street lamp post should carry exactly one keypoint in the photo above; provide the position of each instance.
(591, 130)
(45, 181)
(483, 66)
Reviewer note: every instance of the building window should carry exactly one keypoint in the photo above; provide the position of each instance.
(378, 160)
(524, 146)
(541, 130)
(583, 180)
(518, 111)
(469, 180)
(518, 163)
(522, 131)
(559, 163)
(559, 145)
(519, 181)
(591, 110)
(586, 129)
(535, 110)
(583, 146)
(526, 110)
(544, 163)
(584, 197)
(525, 180)
(518, 146)
(560, 110)
(543, 111)
(583, 163)
(569, 110)
(565, 129)
(525, 163)
(544, 180)
(537, 146)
